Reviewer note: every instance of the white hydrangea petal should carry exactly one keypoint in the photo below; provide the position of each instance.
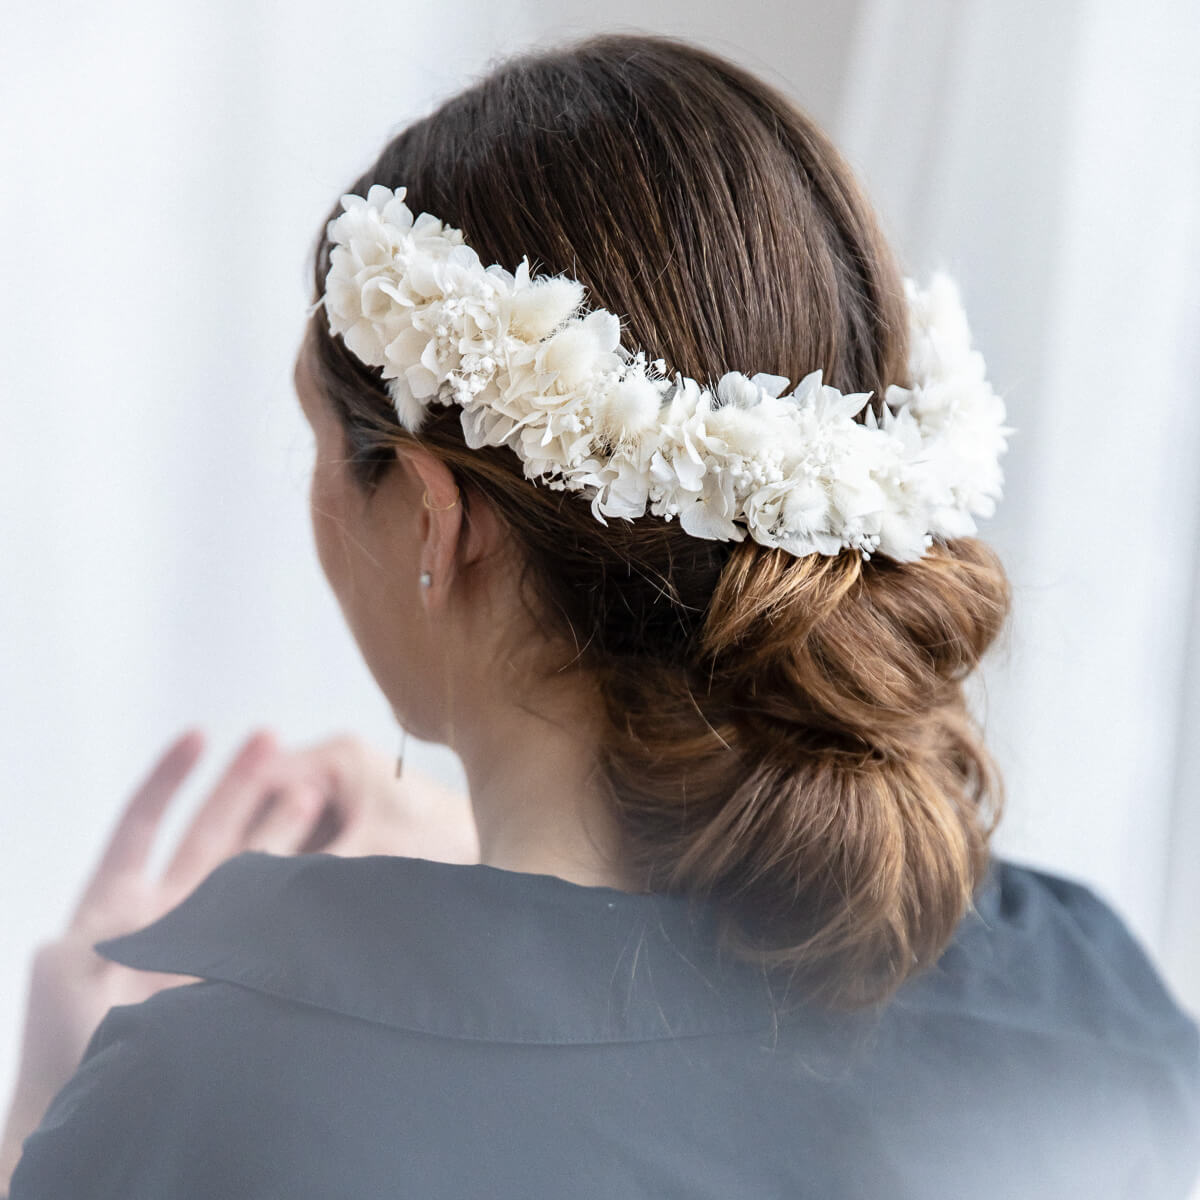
(700, 520)
(773, 385)
(362, 340)
(738, 391)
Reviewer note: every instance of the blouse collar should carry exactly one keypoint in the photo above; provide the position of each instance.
(457, 951)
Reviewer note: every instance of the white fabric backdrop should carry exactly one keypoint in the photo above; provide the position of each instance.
(166, 170)
(1051, 154)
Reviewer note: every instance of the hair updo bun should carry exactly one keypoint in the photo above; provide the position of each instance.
(816, 767)
(787, 735)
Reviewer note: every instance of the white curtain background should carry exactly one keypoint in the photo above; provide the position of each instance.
(165, 171)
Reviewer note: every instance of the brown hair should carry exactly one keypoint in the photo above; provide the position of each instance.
(788, 736)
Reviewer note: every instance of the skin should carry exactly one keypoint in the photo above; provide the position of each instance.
(462, 662)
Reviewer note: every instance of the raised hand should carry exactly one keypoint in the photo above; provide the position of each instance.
(340, 796)
(366, 810)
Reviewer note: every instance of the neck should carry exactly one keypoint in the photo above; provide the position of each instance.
(540, 803)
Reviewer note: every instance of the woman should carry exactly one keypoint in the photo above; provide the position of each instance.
(699, 638)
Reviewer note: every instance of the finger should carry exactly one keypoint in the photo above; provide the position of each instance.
(288, 820)
(329, 826)
(335, 768)
(217, 830)
(132, 839)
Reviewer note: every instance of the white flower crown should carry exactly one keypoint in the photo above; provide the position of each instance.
(531, 370)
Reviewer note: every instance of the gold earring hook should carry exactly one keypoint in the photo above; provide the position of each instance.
(434, 507)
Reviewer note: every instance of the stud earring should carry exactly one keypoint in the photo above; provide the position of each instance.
(425, 579)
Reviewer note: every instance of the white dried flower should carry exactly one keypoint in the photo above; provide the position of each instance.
(530, 369)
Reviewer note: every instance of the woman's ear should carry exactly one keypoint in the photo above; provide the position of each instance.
(440, 525)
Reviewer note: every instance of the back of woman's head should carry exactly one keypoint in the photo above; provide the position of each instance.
(786, 735)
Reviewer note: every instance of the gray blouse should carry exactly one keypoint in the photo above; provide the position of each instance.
(389, 1027)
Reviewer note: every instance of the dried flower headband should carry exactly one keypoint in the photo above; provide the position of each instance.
(532, 370)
